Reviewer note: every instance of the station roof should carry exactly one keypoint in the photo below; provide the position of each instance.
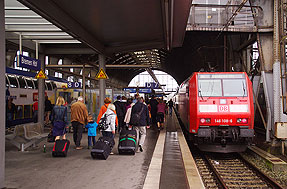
(127, 32)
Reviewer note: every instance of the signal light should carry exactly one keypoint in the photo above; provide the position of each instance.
(205, 120)
(242, 120)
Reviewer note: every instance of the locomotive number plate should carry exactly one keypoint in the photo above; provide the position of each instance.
(223, 120)
(223, 108)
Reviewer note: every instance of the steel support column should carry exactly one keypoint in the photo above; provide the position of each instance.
(84, 84)
(2, 95)
(276, 65)
(41, 93)
(102, 64)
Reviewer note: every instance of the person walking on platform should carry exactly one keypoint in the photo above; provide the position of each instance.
(59, 118)
(111, 121)
(140, 120)
(79, 114)
(104, 108)
(92, 131)
(153, 105)
(160, 114)
(170, 105)
(121, 111)
(35, 111)
(48, 110)
(10, 112)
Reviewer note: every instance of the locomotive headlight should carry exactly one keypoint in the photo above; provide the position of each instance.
(202, 120)
(205, 120)
(242, 120)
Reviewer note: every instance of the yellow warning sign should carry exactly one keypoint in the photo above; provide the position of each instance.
(101, 74)
(41, 75)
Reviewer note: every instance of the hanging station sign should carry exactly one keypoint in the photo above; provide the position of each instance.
(74, 85)
(28, 62)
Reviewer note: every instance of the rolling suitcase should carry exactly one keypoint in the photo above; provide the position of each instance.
(127, 142)
(61, 148)
(103, 148)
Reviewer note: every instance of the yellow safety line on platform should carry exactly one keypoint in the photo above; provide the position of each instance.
(191, 170)
(152, 180)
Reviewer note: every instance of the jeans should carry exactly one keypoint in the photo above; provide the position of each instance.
(170, 110)
(108, 134)
(90, 139)
(77, 132)
(141, 134)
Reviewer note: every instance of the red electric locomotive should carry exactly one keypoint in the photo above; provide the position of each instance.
(217, 110)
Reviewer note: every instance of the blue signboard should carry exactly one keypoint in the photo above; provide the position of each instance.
(131, 90)
(152, 85)
(74, 85)
(145, 90)
(27, 62)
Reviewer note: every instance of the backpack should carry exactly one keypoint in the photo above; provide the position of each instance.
(135, 117)
(103, 125)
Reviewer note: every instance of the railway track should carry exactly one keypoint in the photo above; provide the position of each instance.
(230, 171)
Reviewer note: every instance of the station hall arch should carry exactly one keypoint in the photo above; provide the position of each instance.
(167, 81)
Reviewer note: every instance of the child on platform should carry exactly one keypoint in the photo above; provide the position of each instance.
(92, 131)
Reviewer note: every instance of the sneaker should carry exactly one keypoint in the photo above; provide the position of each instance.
(112, 153)
(90, 147)
(141, 148)
(79, 148)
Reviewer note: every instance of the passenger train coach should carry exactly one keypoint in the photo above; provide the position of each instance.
(217, 110)
(23, 88)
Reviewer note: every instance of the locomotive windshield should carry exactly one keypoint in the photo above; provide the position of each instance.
(234, 87)
(227, 87)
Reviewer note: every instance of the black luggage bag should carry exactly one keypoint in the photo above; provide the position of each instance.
(61, 148)
(51, 138)
(103, 148)
(127, 142)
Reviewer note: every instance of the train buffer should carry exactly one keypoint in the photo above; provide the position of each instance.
(26, 135)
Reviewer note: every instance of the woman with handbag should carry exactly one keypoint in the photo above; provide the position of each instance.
(59, 119)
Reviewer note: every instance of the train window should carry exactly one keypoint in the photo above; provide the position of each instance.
(7, 83)
(13, 82)
(49, 85)
(54, 85)
(22, 82)
(30, 84)
(209, 87)
(36, 83)
(19, 112)
(234, 87)
(27, 111)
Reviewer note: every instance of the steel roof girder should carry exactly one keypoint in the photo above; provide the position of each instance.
(64, 21)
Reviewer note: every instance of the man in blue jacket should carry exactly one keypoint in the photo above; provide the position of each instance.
(144, 121)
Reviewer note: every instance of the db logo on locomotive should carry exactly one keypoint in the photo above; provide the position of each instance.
(223, 108)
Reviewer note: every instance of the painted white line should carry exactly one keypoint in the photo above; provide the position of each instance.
(152, 180)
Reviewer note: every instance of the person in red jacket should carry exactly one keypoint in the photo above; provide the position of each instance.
(103, 109)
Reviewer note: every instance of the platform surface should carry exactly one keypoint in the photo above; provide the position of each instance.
(161, 165)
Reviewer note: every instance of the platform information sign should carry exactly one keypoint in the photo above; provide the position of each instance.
(140, 90)
(145, 90)
(101, 74)
(41, 75)
(131, 90)
(28, 62)
(152, 85)
(74, 85)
